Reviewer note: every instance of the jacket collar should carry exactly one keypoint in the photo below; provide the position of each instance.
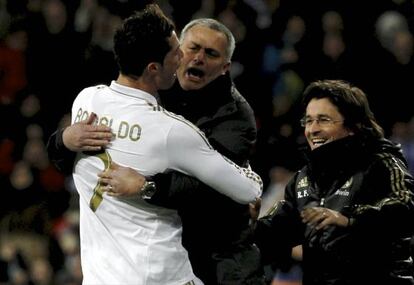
(336, 160)
(215, 99)
(343, 157)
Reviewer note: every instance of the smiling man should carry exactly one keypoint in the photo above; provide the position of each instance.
(351, 207)
(323, 123)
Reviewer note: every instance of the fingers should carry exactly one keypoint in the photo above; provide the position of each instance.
(105, 185)
(310, 214)
(97, 132)
(105, 181)
(94, 130)
(91, 119)
(99, 143)
(101, 129)
(315, 217)
(90, 140)
(320, 217)
(91, 148)
(322, 221)
(110, 190)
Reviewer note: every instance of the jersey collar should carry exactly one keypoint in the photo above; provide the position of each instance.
(133, 92)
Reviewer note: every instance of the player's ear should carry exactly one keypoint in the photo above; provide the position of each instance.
(153, 67)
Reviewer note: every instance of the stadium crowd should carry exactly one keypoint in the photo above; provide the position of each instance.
(51, 49)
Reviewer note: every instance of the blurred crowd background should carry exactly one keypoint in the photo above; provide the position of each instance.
(51, 49)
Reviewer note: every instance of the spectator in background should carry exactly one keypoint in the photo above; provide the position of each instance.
(403, 133)
(395, 66)
(13, 62)
(352, 204)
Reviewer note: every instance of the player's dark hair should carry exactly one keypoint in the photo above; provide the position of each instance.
(142, 39)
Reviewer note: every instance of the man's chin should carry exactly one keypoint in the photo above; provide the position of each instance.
(190, 85)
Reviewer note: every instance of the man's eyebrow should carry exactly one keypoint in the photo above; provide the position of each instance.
(195, 43)
(318, 116)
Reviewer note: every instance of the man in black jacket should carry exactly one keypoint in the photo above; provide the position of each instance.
(216, 230)
(351, 207)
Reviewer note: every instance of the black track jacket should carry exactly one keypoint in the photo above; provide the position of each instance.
(364, 179)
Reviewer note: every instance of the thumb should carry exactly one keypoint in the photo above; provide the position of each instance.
(91, 119)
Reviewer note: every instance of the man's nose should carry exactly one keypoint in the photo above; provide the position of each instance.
(314, 126)
(200, 56)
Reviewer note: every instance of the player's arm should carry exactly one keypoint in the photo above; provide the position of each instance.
(172, 188)
(82, 136)
(189, 152)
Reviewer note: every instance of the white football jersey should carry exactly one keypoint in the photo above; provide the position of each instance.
(127, 240)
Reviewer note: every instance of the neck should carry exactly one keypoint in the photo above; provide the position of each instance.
(137, 83)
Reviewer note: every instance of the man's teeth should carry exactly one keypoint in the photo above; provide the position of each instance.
(318, 141)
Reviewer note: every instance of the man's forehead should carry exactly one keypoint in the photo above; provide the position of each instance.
(208, 31)
(215, 40)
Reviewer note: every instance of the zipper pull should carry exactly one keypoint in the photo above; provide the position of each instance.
(322, 202)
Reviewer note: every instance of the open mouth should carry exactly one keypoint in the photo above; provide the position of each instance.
(318, 142)
(195, 73)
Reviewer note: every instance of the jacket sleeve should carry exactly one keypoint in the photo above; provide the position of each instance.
(235, 136)
(173, 189)
(61, 157)
(278, 232)
(392, 210)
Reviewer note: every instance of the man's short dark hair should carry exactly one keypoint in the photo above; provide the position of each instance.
(142, 39)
